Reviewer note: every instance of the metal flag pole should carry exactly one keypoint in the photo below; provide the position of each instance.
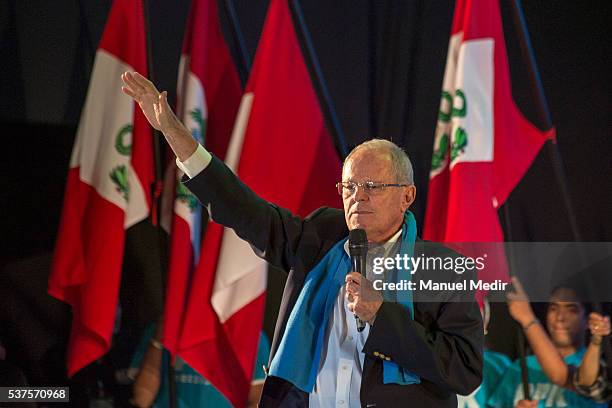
(320, 85)
(156, 196)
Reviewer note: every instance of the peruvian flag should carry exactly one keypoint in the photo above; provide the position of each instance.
(111, 171)
(209, 93)
(483, 144)
(282, 150)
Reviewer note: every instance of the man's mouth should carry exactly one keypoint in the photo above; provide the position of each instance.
(361, 212)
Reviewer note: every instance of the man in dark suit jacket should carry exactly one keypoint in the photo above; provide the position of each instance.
(441, 345)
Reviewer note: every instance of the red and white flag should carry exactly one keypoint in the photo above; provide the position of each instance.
(111, 171)
(483, 144)
(209, 93)
(282, 150)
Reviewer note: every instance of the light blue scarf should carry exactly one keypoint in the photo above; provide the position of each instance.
(299, 353)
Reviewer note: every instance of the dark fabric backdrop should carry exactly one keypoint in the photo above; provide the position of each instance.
(383, 64)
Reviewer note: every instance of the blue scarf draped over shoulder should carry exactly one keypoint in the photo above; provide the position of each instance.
(299, 353)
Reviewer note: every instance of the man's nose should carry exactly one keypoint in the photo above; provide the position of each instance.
(360, 194)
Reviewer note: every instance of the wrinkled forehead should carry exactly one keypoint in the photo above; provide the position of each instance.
(371, 164)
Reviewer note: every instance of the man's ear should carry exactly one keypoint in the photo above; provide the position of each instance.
(408, 197)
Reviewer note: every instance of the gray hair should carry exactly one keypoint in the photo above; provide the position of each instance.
(400, 162)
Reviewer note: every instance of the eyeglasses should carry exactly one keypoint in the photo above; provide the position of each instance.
(348, 188)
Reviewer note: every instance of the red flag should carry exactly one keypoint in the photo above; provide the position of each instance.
(483, 144)
(281, 149)
(107, 191)
(209, 94)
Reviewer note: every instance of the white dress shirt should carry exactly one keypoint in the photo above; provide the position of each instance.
(341, 368)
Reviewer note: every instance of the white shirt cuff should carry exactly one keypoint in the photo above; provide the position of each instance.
(197, 162)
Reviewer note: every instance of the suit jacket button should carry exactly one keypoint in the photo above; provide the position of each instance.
(376, 354)
(388, 358)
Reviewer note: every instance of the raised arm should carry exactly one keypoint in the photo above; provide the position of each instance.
(273, 232)
(545, 351)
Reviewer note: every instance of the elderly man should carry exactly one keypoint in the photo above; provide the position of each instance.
(413, 350)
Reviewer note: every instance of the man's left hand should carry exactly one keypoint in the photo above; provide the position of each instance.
(363, 299)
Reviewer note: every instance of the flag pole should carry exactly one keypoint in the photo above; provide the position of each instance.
(544, 119)
(544, 114)
(523, 363)
(156, 196)
(310, 55)
(238, 37)
(520, 334)
(157, 185)
(553, 152)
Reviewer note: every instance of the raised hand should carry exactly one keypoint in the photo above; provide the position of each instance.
(144, 92)
(155, 107)
(518, 304)
(599, 325)
(154, 104)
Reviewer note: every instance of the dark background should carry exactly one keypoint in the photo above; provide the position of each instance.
(383, 64)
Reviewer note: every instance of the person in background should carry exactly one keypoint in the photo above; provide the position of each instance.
(566, 323)
(589, 379)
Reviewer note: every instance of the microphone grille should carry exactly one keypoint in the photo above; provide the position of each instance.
(358, 241)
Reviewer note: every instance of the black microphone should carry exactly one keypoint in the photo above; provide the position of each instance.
(358, 249)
